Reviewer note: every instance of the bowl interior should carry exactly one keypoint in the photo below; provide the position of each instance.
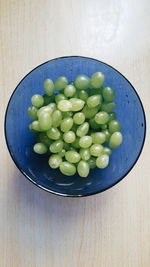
(20, 140)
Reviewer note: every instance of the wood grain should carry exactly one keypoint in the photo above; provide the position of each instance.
(111, 229)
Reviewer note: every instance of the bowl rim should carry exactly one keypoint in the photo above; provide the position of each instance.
(53, 191)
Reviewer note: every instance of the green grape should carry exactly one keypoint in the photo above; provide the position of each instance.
(67, 168)
(94, 101)
(115, 140)
(98, 138)
(83, 168)
(67, 114)
(53, 133)
(114, 126)
(112, 116)
(103, 126)
(44, 139)
(48, 99)
(66, 146)
(97, 80)
(66, 124)
(79, 118)
(108, 107)
(49, 86)
(85, 153)
(40, 148)
(72, 156)
(69, 137)
(45, 121)
(54, 161)
(92, 162)
(85, 141)
(69, 90)
(94, 125)
(32, 113)
(35, 126)
(75, 144)
(62, 153)
(77, 104)
(44, 110)
(102, 117)
(83, 129)
(82, 82)
(56, 118)
(37, 100)
(108, 94)
(102, 161)
(56, 146)
(107, 151)
(30, 127)
(83, 95)
(64, 105)
(60, 83)
(89, 112)
(107, 134)
(52, 106)
(96, 150)
(60, 97)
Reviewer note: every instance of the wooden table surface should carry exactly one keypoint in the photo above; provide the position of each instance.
(111, 229)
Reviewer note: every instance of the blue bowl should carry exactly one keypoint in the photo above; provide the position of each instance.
(20, 140)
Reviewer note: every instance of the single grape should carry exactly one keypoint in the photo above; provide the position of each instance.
(56, 146)
(107, 134)
(94, 101)
(83, 168)
(82, 82)
(92, 162)
(102, 117)
(85, 153)
(60, 97)
(66, 124)
(35, 126)
(107, 151)
(40, 148)
(64, 105)
(32, 113)
(44, 139)
(102, 161)
(54, 161)
(49, 86)
(83, 95)
(72, 156)
(60, 83)
(98, 138)
(62, 153)
(89, 112)
(77, 104)
(108, 94)
(85, 141)
(114, 126)
(69, 137)
(52, 106)
(53, 133)
(97, 80)
(79, 118)
(37, 100)
(69, 90)
(56, 118)
(112, 116)
(83, 129)
(108, 107)
(45, 121)
(44, 110)
(96, 150)
(67, 168)
(115, 140)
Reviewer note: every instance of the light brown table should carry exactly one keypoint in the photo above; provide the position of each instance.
(38, 229)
